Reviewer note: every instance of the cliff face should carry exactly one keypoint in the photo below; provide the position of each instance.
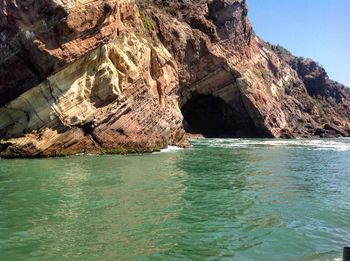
(83, 76)
(118, 76)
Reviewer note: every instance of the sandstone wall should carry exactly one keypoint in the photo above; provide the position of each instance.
(102, 76)
(117, 97)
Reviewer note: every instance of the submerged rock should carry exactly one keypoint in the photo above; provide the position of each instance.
(120, 76)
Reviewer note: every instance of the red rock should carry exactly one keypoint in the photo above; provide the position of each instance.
(99, 77)
(336, 129)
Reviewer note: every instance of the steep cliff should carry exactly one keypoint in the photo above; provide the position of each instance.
(116, 76)
(83, 76)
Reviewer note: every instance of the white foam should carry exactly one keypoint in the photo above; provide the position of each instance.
(309, 144)
(171, 148)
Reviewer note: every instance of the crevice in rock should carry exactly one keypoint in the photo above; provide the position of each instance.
(88, 129)
(26, 57)
(212, 117)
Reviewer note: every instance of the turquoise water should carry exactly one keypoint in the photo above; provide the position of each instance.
(221, 200)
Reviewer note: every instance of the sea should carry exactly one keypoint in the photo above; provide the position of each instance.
(222, 199)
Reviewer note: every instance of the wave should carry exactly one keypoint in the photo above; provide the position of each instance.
(171, 149)
(309, 144)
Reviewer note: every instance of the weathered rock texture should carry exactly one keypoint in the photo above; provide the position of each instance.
(84, 76)
(115, 76)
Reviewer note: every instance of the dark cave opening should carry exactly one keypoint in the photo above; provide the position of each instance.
(212, 117)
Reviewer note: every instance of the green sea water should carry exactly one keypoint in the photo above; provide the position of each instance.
(233, 199)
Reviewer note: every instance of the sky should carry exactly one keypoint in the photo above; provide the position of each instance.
(317, 29)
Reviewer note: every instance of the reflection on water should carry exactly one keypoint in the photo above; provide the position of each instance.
(222, 199)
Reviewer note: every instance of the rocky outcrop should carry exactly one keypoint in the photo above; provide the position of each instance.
(219, 55)
(81, 76)
(330, 100)
(97, 83)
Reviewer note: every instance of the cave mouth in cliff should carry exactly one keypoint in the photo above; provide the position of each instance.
(212, 117)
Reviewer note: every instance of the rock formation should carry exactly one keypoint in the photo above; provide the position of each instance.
(116, 76)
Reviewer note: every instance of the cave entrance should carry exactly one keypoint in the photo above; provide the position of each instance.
(212, 117)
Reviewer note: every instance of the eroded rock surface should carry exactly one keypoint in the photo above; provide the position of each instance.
(97, 83)
(219, 55)
(108, 76)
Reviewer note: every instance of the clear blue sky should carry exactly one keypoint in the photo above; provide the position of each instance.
(317, 29)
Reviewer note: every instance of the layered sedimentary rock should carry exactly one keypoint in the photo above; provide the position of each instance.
(119, 76)
(261, 92)
(95, 82)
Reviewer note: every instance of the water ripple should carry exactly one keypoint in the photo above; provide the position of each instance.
(223, 199)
